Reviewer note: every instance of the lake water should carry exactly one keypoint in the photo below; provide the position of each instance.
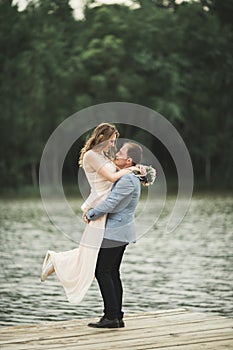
(191, 267)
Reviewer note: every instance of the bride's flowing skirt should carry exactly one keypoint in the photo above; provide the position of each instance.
(76, 268)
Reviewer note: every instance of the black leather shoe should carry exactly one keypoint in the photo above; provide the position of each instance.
(105, 323)
(121, 323)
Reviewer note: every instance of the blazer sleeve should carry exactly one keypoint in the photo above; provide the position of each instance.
(117, 199)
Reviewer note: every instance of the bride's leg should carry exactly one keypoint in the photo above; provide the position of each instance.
(51, 271)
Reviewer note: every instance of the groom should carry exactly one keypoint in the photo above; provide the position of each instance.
(120, 206)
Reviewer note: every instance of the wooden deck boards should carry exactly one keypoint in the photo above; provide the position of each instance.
(169, 330)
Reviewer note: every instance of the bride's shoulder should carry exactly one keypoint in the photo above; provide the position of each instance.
(90, 154)
(92, 157)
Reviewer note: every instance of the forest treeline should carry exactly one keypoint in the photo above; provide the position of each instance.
(174, 59)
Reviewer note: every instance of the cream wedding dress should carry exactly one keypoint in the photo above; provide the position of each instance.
(76, 268)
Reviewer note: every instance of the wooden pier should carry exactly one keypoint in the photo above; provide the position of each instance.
(168, 330)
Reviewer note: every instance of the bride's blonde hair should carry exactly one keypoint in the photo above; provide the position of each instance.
(103, 132)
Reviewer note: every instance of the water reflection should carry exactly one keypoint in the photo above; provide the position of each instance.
(191, 267)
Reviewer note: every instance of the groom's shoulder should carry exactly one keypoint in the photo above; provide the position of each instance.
(128, 179)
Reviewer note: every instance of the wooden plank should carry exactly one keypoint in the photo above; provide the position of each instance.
(130, 341)
(181, 326)
(157, 343)
(164, 330)
(86, 320)
(62, 325)
(59, 325)
(67, 329)
(218, 344)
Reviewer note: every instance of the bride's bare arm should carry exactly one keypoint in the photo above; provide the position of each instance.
(113, 177)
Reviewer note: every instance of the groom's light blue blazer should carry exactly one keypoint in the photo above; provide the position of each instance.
(120, 206)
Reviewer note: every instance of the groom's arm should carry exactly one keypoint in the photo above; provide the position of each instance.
(122, 189)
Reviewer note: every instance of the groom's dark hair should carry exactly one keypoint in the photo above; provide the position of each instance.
(134, 151)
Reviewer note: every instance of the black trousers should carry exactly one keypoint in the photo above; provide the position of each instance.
(108, 276)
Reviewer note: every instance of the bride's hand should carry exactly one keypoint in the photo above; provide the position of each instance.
(84, 217)
(138, 167)
(142, 169)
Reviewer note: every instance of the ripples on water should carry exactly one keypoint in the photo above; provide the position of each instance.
(191, 267)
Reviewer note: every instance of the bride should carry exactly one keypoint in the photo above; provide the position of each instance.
(75, 268)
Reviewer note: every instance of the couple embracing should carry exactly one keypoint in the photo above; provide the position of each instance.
(109, 214)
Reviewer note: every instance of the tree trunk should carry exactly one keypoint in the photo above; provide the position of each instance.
(34, 175)
(207, 169)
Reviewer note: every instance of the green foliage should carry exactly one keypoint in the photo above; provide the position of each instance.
(175, 59)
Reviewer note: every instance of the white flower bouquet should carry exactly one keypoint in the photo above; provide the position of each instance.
(146, 173)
